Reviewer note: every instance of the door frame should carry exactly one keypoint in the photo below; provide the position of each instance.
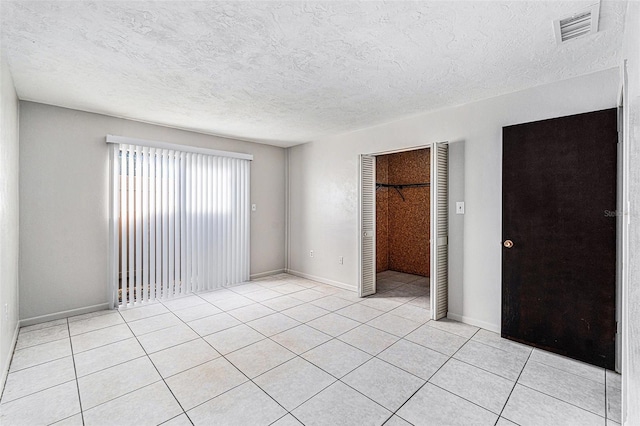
(623, 216)
(433, 285)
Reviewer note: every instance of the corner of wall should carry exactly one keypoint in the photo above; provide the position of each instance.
(9, 218)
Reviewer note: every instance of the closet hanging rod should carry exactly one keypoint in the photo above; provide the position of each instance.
(402, 186)
(399, 188)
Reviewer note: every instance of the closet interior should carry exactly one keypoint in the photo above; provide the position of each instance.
(403, 218)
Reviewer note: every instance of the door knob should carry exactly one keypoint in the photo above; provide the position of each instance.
(508, 244)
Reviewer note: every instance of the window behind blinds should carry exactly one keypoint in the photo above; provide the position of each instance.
(179, 222)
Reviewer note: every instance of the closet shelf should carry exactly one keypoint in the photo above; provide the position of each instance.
(400, 187)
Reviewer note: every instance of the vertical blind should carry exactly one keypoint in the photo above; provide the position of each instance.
(179, 221)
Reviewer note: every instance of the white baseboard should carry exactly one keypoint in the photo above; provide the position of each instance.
(266, 274)
(322, 280)
(12, 347)
(63, 314)
(472, 321)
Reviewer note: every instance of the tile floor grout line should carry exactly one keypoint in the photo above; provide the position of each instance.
(111, 366)
(514, 386)
(173, 418)
(484, 369)
(38, 391)
(606, 411)
(435, 350)
(234, 366)
(466, 399)
(529, 348)
(35, 365)
(352, 370)
(568, 372)
(500, 349)
(75, 372)
(401, 368)
(41, 328)
(106, 344)
(157, 371)
(373, 400)
(562, 400)
(280, 418)
(427, 381)
(395, 413)
(38, 344)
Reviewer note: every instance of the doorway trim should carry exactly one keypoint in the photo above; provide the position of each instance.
(438, 283)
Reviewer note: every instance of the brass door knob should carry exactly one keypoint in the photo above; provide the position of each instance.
(508, 243)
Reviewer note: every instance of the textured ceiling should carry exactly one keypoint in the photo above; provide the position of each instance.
(290, 72)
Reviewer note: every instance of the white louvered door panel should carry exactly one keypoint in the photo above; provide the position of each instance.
(367, 283)
(439, 230)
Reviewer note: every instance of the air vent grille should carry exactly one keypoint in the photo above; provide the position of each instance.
(578, 25)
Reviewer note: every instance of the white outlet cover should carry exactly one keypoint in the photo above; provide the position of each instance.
(460, 207)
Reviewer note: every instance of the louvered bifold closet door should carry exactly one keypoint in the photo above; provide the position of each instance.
(367, 283)
(440, 230)
(179, 222)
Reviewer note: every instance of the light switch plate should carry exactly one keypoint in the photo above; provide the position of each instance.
(460, 207)
(253, 207)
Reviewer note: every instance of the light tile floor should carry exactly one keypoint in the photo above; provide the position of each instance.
(289, 351)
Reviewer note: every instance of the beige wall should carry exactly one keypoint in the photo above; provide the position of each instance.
(8, 219)
(324, 187)
(64, 200)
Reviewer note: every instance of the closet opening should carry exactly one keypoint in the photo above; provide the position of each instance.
(403, 224)
(404, 228)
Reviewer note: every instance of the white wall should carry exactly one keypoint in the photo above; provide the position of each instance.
(64, 203)
(324, 196)
(631, 301)
(8, 219)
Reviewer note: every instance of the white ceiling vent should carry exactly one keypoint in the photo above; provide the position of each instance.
(578, 25)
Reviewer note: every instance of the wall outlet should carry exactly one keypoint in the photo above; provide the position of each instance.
(310, 253)
(460, 207)
(341, 260)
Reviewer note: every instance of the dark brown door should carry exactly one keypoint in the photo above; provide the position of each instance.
(558, 209)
